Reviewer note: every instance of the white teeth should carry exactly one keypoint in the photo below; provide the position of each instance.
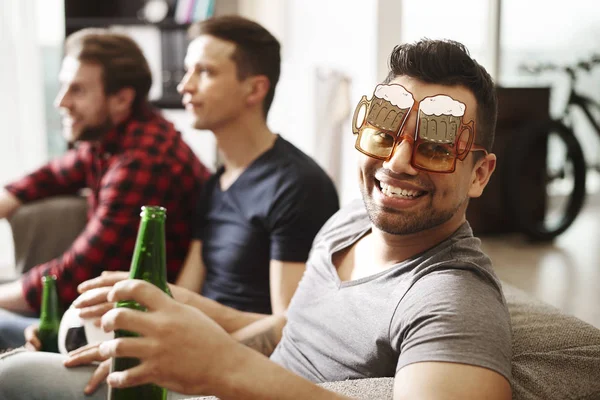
(393, 191)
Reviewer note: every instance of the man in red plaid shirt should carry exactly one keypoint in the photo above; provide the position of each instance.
(125, 152)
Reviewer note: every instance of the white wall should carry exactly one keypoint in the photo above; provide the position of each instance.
(338, 35)
(465, 21)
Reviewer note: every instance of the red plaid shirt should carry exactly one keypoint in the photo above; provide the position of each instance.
(143, 161)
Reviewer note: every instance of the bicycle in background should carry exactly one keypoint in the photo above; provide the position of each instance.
(564, 173)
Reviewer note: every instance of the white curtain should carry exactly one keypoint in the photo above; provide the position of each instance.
(332, 109)
(22, 131)
(22, 121)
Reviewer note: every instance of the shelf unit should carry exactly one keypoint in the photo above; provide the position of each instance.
(171, 46)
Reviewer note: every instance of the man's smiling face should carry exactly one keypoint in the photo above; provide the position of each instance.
(402, 200)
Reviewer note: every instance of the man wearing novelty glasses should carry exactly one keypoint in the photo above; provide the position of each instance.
(395, 286)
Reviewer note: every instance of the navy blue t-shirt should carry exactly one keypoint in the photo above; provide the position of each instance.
(272, 211)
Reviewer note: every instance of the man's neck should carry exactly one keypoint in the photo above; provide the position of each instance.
(378, 251)
(240, 143)
(105, 133)
(388, 249)
(119, 118)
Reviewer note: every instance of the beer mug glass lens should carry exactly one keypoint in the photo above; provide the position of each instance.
(434, 157)
(376, 142)
(361, 115)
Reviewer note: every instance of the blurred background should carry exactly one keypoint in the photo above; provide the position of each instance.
(333, 52)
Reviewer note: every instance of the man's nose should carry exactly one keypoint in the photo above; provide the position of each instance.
(61, 100)
(187, 83)
(401, 157)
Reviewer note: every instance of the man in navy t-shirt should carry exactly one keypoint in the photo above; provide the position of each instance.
(263, 207)
(263, 223)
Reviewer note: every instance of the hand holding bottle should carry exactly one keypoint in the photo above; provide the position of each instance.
(32, 342)
(180, 348)
(92, 301)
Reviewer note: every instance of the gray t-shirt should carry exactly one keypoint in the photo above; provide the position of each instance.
(445, 304)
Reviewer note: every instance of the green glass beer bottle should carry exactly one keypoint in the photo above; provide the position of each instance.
(150, 264)
(50, 316)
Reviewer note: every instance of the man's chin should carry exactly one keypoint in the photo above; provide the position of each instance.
(69, 136)
(92, 134)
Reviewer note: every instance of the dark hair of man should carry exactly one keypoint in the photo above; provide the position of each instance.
(122, 61)
(447, 62)
(257, 50)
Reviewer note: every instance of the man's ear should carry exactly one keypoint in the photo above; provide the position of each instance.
(123, 99)
(258, 87)
(482, 172)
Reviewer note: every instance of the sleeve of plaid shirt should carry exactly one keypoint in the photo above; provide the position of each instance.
(109, 237)
(65, 175)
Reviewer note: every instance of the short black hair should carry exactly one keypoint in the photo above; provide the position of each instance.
(447, 62)
(257, 51)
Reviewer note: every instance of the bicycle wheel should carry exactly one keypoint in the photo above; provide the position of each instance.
(545, 184)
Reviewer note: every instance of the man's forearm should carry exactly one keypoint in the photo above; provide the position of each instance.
(258, 331)
(262, 336)
(253, 376)
(11, 298)
(230, 319)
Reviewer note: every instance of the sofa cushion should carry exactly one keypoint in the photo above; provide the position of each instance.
(44, 229)
(555, 355)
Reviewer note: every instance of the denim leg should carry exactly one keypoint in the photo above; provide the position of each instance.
(12, 326)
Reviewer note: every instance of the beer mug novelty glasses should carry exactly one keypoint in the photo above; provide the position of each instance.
(440, 137)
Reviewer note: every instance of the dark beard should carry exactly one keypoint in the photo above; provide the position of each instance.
(396, 222)
(95, 133)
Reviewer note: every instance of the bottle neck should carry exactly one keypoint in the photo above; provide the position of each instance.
(50, 309)
(149, 257)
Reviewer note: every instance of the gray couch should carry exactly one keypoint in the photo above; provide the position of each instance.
(555, 356)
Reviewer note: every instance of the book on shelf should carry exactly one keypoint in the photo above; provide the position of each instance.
(188, 11)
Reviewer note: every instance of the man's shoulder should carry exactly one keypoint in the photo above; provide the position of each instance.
(458, 257)
(285, 174)
(150, 131)
(291, 160)
(465, 249)
(155, 141)
(349, 220)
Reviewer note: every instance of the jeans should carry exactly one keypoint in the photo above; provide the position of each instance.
(12, 326)
(32, 375)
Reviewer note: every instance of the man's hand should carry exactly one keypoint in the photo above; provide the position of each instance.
(32, 342)
(180, 348)
(86, 355)
(106, 279)
(183, 350)
(93, 303)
